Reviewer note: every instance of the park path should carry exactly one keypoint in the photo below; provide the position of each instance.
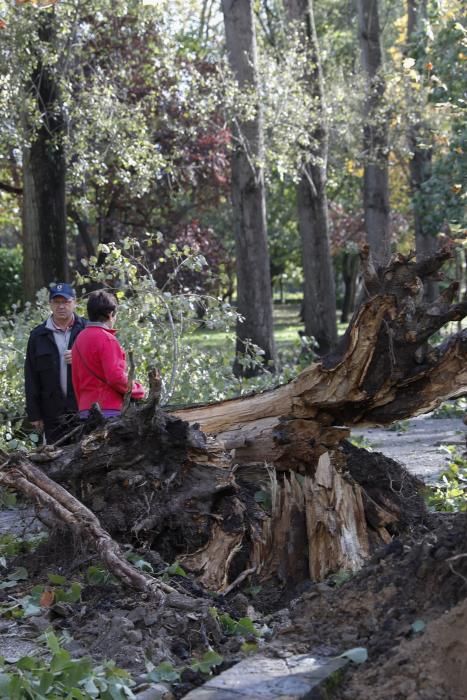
(419, 444)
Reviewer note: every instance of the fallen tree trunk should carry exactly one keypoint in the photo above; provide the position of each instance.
(266, 485)
(384, 370)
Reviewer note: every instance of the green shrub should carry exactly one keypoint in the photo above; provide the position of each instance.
(450, 493)
(11, 290)
(159, 325)
(451, 409)
(63, 677)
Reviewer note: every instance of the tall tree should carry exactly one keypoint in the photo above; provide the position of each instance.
(319, 290)
(254, 302)
(420, 144)
(375, 135)
(44, 169)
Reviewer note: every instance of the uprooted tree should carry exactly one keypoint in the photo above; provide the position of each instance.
(265, 484)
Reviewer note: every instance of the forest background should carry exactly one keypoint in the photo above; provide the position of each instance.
(201, 157)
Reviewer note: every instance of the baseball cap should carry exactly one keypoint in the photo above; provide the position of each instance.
(61, 289)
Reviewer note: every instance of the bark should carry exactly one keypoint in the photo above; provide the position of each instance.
(383, 370)
(319, 288)
(266, 485)
(254, 302)
(44, 169)
(375, 138)
(350, 267)
(420, 144)
(85, 241)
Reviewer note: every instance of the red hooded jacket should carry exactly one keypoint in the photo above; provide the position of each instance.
(99, 370)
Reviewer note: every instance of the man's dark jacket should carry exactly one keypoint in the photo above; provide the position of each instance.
(44, 396)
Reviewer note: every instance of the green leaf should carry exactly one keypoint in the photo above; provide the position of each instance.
(74, 592)
(8, 584)
(70, 595)
(143, 565)
(176, 570)
(56, 579)
(96, 575)
(27, 663)
(46, 682)
(229, 625)
(30, 608)
(78, 670)
(37, 591)
(164, 672)
(139, 562)
(207, 662)
(246, 626)
(52, 642)
(59, 660)
(358, 655)
(19, 574)
(91, 688)
(418, 626)
(5, 679)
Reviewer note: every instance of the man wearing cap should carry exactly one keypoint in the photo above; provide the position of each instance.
(49, 391)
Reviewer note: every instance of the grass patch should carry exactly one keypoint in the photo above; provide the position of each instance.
(456, 408)
(287, 325)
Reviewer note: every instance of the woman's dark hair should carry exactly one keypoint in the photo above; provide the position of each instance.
(100, 305)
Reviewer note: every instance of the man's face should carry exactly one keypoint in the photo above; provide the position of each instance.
(62, 309)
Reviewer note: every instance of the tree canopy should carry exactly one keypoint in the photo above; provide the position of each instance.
(147, 104)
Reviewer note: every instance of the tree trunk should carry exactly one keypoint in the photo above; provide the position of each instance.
(44, 169)
(254, 302)
(375, 140)
(84, 245)
(319, 289)
(271, 489)
(420, 144)
(350, 267)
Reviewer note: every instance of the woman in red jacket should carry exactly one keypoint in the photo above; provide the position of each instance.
(99, 368)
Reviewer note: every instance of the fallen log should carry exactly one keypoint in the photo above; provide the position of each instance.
(267, 484)
(383, 371)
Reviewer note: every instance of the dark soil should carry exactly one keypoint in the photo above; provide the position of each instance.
(414, 578)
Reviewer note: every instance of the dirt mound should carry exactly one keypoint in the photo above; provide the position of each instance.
(406, 607)
(430, 667)
(396, 608)
(129, 627)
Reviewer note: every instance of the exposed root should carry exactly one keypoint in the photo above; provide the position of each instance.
(35, 485)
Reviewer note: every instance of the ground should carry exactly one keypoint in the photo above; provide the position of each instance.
(419, 443)
(406, 606)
